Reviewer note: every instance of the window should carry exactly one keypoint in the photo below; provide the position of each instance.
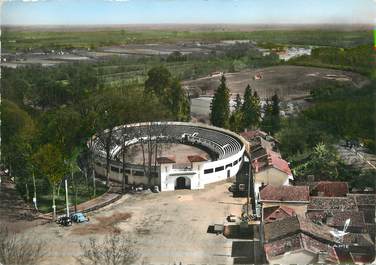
(240, 159)
(208, 171)
(235, 162)
(115, 169)
(128, 171)
(138, 173)
(219, 169)
(228, 165)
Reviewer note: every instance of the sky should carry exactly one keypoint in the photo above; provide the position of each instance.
(107, 12)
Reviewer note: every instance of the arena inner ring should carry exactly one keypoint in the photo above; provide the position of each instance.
(226, 150)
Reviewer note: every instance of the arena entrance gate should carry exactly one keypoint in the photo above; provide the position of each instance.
(182, 183)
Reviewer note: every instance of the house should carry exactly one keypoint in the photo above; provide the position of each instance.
(337, 219)
(271, 169)
(274, 213)
(300, 249)
(291, 197)
(332, 203)
(330, 189)
(366, 203)
(308, 240)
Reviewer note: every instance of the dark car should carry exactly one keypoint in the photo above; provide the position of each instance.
(64, 221)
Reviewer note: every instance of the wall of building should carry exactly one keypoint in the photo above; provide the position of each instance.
(300, 257)
(201, 173)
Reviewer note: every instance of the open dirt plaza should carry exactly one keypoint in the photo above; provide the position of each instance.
(169, 227)
(289, 82)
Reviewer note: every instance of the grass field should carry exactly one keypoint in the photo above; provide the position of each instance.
(24, 40)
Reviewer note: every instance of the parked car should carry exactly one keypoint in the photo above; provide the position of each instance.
(79, 217)
(64, 220)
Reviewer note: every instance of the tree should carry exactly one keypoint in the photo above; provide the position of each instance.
(275, 113)
(236, 121)
(179, 102)
(16, 249)
(323, 164)
(113, 250)
(271, 121)
(251, 109)
(49, 160)
(220, 105)
(238, 102)
(158, 81)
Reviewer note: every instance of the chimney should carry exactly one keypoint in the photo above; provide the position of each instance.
(311, 178)
(262, 186)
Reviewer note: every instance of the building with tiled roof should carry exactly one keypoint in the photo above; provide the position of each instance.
(354, 244)
(275, 213)
(294, 197)
(300, 248)
(330, 189)
(332, 203)
(271, 169)
(337, 218)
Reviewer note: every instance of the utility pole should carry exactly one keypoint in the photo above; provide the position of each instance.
(35, 192)
(75, 188)
(66, 196)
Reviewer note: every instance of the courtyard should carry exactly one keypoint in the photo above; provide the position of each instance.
(169, 227)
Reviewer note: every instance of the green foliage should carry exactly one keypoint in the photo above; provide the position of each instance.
(271, 121)
(251, 109)
(169, 91)
(49, 160)
(220, 106)
(358, 59)
(323, 163)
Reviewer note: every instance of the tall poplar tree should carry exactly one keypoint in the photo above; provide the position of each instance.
(250, 109)
(220, 105)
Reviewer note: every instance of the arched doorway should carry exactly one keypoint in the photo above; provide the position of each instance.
(182, 183)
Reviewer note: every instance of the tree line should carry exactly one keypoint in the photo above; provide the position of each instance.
(247, 113)
(43, 133)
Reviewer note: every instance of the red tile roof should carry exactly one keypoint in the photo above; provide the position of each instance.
(285, 193)
(165, 160)
(337, 219)
(273, 160)
(196, 158)
(331, 188)
(277, 212)
(297, 242)
(332, 203)
(292, 225)
(248, 135)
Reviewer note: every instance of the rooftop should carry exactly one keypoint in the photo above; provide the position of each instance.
(274, 213)
(363, 199)
(337, 218)
(297, 242)
(165, 160)
(285, 193)
(331, 188)
(332, 203)
(273, 159)
(196, 158)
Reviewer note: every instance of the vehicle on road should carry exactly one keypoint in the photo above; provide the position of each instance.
(64, 220)
(79, 217)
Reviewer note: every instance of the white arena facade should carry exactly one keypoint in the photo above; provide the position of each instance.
(226, 151)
